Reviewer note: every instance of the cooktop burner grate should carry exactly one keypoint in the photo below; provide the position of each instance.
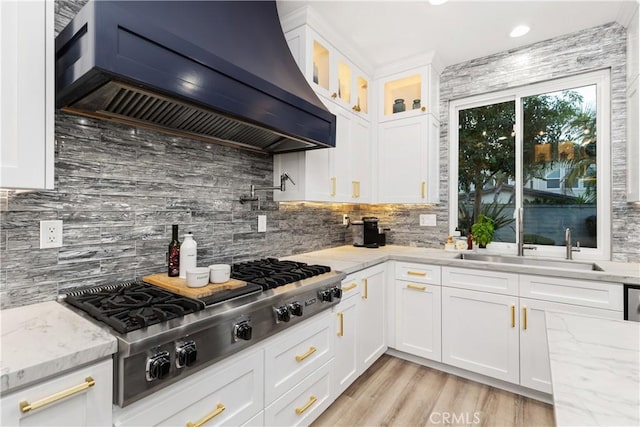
(271, 272)
(132, 305)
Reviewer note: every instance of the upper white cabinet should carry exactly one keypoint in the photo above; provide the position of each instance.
(408, 169)
(633, 108)
(408, 93)
(27, 94)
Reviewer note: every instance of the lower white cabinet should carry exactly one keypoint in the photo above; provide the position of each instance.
(535, 372)
(346, 338)
(85, 400)
(227, 393)
(290, 358)
(418, 325)
(480, 332)
(303, 403)
(371, 317)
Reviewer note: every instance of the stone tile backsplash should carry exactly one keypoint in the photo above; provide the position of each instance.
(118, 188)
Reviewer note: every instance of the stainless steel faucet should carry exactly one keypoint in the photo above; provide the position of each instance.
(570, 249)
(521, 246)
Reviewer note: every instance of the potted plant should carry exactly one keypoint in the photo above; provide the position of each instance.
(482, 231)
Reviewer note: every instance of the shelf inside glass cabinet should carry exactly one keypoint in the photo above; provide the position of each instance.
(403, 95)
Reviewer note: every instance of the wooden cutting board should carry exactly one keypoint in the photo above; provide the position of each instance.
(179, 286)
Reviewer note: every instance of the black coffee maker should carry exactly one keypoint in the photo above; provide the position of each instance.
(370, 239)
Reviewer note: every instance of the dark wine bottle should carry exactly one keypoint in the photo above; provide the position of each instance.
(174, 254)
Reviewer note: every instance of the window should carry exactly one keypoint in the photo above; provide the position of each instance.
(542, 148)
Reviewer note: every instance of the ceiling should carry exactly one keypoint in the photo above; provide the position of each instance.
(457, 31)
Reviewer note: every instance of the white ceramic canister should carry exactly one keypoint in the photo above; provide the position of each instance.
(188, 255)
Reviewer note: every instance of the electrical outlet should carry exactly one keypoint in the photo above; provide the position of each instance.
(262, 223)
(50, 234)
(345, 219)
(428, 220)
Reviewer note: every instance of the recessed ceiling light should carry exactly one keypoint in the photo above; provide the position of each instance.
(437, 2)
(519, 31)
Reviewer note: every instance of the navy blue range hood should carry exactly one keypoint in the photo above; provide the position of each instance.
(215, 70)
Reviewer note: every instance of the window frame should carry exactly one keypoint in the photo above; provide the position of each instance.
(602, 80)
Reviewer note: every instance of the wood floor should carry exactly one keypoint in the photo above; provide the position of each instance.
(394, 392)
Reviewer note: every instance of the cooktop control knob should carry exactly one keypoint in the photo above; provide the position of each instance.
(337, 292)
(242, 331)
(295, 308)
(186, 354)
(158, 366)
(283, 314)
(326, 296)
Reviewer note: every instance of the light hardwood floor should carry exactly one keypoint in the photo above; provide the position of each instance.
(394, 392)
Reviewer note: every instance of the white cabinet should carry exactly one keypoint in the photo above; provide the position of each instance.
(84, 398)
(27, 94)
(408, 170)
(480, 332)
(535, 372)
(633, 108)
(418, 324)
(296, 354)
(346, 327)
(371, 317)
(228, 393)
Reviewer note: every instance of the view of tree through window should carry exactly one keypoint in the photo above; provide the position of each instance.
(558, 167)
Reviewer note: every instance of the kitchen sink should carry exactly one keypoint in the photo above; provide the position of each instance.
(534, 262)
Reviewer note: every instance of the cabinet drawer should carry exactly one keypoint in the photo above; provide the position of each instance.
(90, 406)
(232, 389)
(305, 402)
(419, 273)
(480, 280)
(295, 355)
(579, 292)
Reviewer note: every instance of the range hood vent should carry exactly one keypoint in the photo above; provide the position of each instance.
(130, 62)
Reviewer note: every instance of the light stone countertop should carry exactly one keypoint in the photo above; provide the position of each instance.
(595, 370)
(43, 340)
(350, 259)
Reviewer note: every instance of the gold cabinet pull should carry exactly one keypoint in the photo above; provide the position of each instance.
(416, 287)
(208, 417)
(354, 192)
(349, 287)
(307, 405)
(341, 317)
(357, 108)
(334, 95)
(365, 294)
(524, 317)
(309, 352)
(333, 186)
(416, 273)
(423, 109)
(26, 406)
(356, 189)
(423, 186)
(513, 315)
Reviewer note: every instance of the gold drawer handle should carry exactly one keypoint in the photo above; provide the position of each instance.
(307, 405)
(416, 273)
(312, 350)
(513, 315)
(341, 317)
(524, 317)
(26, 406)
(423, 189)
(365, 294)
(416, 287)
(208, 417)
(333, 186)
(350, 287)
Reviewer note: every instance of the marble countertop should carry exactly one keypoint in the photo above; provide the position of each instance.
(350, 259)
(595, 370)
(46, 339)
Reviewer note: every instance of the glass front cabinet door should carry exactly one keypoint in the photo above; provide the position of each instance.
(408, 94)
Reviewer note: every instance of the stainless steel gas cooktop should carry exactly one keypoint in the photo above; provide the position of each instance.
(163, 337)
